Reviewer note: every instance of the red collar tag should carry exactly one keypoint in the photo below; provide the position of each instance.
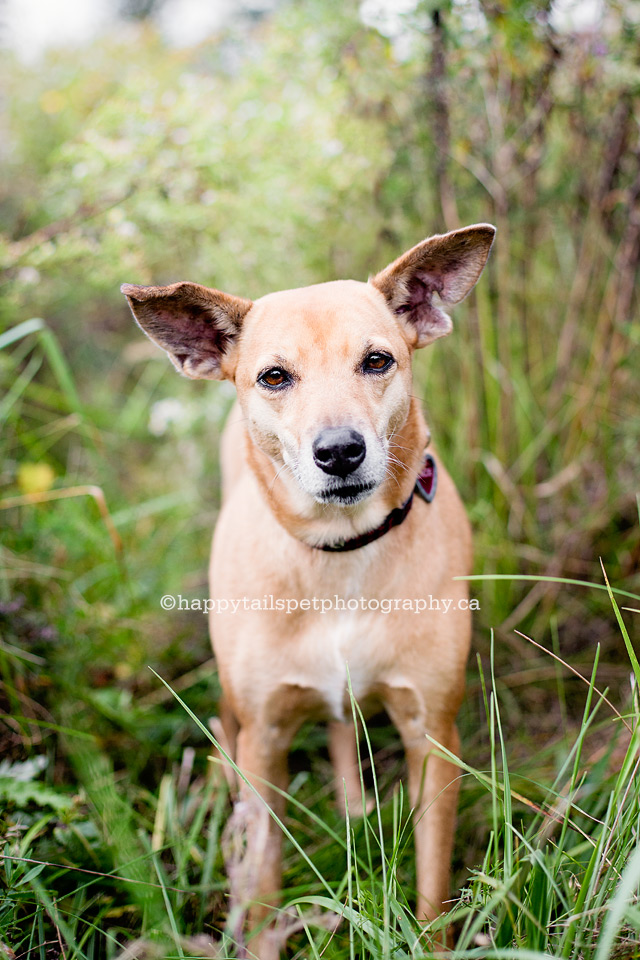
(427, 481)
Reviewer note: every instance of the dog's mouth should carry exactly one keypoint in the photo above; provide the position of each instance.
(350, 493)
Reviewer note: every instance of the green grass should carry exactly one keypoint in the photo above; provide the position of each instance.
(117, 835)
(558, 875)
(112, 817)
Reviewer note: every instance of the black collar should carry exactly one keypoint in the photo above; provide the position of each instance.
(425, 487)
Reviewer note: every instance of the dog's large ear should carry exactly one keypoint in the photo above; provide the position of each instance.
(195, 325)
(446, 266)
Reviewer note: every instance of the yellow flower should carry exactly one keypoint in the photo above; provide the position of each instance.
(35, 477)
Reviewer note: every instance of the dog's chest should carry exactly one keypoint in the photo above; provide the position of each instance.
(346, 647)
(336, 653)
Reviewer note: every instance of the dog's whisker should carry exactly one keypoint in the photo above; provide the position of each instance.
(388, 475)
(285, 466)
(399, 446)
(399, 463)
(392, 474)
(396, 459)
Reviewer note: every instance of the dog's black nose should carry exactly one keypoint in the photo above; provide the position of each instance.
(339, 450)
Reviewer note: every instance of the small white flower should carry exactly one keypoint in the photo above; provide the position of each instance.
(165, 413)
(80, 170)
(28, 275)
(332, 148)
(25, 771)
(127, 229)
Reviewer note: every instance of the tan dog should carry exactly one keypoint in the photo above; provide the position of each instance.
(320, 461)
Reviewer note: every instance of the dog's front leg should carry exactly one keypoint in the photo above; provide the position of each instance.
(433, 791)
(255, 874)
(433, 794)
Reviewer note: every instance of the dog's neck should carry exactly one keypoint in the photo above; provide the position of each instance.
(317, 524)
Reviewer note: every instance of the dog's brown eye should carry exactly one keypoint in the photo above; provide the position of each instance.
(274, 378)
(377, 362)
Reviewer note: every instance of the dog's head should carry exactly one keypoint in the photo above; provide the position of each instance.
(323, 373)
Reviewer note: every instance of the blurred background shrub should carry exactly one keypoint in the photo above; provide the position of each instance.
(301, 142)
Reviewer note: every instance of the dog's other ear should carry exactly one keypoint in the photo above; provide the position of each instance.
(447, 265)
(195, 325)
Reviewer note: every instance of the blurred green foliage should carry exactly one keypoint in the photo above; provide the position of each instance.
(309, 147)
